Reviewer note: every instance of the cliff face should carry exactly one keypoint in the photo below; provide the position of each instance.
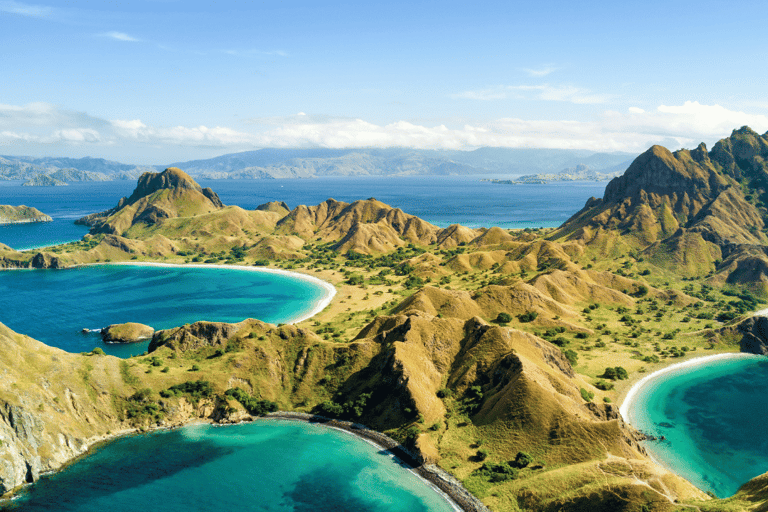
(21, 214)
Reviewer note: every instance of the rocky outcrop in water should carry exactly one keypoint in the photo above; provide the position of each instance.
(130, 332)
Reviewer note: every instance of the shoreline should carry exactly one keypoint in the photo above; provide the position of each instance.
(436, 478)
(432, 475)
(626, 403)
(320, 304)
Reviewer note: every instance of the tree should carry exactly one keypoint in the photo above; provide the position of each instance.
(504, 318)
(523, 459)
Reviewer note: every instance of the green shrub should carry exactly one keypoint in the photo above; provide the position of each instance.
(252, 405)
(98, 351)
(572, 357)
(504, 318)
(194, 389)
(523, 459)
(530, 316)
(586, 395)
(497, 472)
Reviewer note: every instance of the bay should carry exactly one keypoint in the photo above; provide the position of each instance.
(268, 465)
(54, 306)
(711, 416)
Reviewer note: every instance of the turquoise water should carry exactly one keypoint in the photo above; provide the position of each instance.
(54, 306)
(269, 465)
(713, 417)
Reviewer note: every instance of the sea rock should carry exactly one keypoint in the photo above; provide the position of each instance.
(130, 332)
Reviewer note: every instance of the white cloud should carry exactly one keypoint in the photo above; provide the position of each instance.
(544, 92)
(120, 36)
(36, 11)
(540, 71)
(42, 127)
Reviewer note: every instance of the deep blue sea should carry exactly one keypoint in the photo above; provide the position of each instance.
(269, 465)
(54, 306)
(712, 417)
(442, 200)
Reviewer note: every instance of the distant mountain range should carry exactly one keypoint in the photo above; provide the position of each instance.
(310, 163)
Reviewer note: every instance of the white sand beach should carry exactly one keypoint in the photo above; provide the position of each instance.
(318, 307)
(626, 405)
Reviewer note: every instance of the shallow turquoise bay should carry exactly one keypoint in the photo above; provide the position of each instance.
(269, 465)
(54, 306)
(713, 418)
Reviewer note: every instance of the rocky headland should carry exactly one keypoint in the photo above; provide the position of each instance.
(21, 215)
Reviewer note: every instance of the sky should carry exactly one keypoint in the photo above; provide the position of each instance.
(158, 81)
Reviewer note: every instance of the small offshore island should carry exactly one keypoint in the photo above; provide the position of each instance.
(21, 215)
(496, 355)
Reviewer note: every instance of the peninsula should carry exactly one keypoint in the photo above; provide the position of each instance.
(498, 355)
(21, 215)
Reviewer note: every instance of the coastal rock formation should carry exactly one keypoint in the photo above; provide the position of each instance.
(130, 332)
(21, 214)
(754, 332)
(53, 406)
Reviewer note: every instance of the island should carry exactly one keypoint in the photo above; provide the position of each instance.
(498, 356)
(43, 180)
(21, 215)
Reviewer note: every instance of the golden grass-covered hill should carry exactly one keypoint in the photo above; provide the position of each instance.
(484, 351)
(694, 212)
(21, 214)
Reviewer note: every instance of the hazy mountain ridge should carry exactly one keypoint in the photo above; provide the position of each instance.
(305, 163)
(271, 163)
(68, 169)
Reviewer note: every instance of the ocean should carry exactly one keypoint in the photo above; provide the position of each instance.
(268, 465)
(443, 201)
(54, 306)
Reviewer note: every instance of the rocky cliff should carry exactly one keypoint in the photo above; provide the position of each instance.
(693, 212)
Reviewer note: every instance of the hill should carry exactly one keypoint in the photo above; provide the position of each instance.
(21, 214)
(692, 212)
(484, 351)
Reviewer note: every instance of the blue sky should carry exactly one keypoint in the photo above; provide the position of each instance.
(157, 81)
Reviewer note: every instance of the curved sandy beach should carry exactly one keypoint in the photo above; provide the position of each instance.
(330, 290)
(625, 409)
